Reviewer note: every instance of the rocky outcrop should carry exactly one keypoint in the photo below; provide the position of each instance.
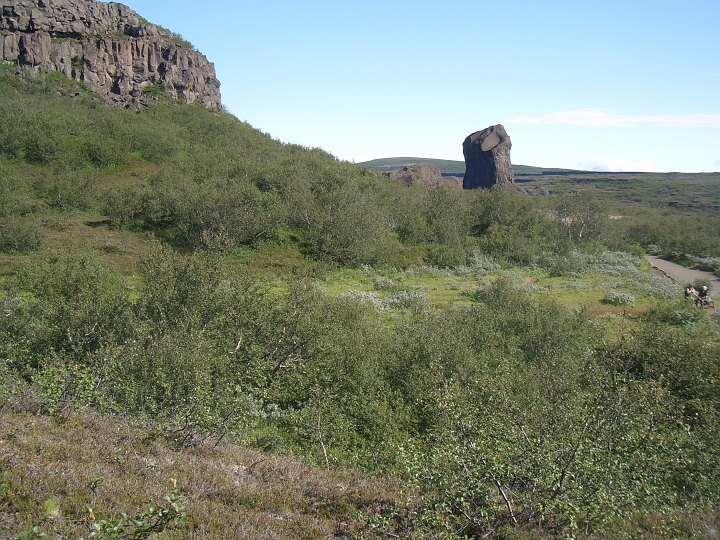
(419, 174)
(538, 191)
(487, 159)
(423, 174)
(108, 47)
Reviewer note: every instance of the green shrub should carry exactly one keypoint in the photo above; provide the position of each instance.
(77, 308)
(699, 283)
(222, 213)
(446, 256)
(616, 298)
(581, 214)
(17, 196)
(68, 191)
(155, 520)
(124, 205)
(413, 299)
(684, 316)
(182, 42)
(156, 88)
(382, 282)
(20, 236)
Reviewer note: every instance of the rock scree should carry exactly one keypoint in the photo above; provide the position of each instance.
(108, 47)
(487, 159)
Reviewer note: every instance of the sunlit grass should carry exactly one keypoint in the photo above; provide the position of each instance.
(447, 287)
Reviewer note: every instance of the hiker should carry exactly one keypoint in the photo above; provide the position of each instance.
(690, 292)
(702, 297)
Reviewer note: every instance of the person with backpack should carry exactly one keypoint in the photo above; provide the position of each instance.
(702, 298)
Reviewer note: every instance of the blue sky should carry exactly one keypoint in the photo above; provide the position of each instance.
(605, 85)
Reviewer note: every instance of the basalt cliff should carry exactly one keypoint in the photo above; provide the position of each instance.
(108, 47)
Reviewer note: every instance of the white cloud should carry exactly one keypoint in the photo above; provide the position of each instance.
(591, 118)
(617, 165)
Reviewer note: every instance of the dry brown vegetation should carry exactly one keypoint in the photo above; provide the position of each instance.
(230, 492)
(50, 463)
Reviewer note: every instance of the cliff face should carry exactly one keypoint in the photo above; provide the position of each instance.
(106, 46)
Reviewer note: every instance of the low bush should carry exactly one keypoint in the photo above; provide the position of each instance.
(708, 264)
(18, 235)
(684, 316)
(413, 299)
(124, 471)
(616, 298)
(656, 286)
(365, 297)
(382, 282)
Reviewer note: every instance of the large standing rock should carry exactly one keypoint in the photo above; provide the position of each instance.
(487, 159)
(107, 46)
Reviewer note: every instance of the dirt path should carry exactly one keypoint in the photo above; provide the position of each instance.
(682, 274)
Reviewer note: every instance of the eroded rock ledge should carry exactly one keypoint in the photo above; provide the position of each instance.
(107, 46)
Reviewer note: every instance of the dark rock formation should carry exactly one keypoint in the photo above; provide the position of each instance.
(423, 174)
(487, 159)
(538, 191)
(107, 46)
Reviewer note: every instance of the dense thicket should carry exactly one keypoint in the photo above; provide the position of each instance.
(512, 410)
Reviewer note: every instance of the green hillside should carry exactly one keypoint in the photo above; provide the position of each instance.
(448, 167)
(288, 345)
(392, 164)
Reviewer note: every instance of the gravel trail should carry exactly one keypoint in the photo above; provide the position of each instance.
(682, 274)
